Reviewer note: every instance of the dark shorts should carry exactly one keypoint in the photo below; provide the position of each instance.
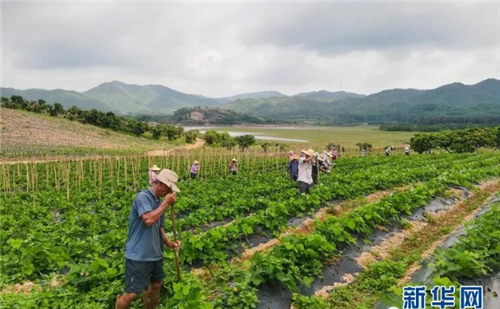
(193, 175)
(304, 187)
(139, 275)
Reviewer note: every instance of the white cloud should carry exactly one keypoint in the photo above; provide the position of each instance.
(221, 49)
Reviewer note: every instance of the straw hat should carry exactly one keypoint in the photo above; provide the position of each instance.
(234, 160)
(155, 168)
(196, 162)
(321, 157)
(329, 154)
(309, 152)
(169, 178)
(295, 157)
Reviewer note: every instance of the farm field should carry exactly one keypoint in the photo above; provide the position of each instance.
(346, 136)
(249, 241)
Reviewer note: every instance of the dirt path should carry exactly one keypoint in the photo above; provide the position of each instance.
(154, 153)
(199, 143)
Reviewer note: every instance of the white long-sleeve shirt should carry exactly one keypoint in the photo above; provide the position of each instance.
(305, 171)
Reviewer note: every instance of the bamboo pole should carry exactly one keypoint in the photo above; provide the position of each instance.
(68, 166)
(174, 230)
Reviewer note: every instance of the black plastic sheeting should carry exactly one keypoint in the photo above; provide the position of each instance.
(276, 296)
(491, 283)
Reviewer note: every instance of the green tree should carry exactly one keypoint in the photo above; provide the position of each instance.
(56, 110)
(191, 136)
(245, 141)
(228, 143)
(422, 143)
(157, 131)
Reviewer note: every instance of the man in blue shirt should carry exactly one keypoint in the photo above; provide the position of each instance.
(293, 167)
(146, 238)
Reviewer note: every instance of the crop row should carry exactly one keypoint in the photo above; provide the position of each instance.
(299, 259)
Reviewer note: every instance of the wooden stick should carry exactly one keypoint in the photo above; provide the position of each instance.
(174, 230)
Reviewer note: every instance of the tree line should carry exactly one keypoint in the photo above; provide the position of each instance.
(216, 139)
(97, 118)
(460, 141)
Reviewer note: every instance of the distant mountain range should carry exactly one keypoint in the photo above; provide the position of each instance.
(134, 99)
(479, 103)
(396, 105)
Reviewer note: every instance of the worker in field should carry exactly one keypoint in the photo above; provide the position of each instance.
(194, 169)
(327, 157)
(153, 171)
(305, 180)
(233, 167)
(407, 150)
(334, 153)
(293, 168)
(314, 173)
(290, 155)
(388, 151)
(146, 239)
(322, 164)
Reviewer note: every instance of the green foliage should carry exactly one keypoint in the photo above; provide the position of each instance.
(461, 141)
(364, 146)
(191, 136)
(454, 103)
(476, 254)
(305, 302)
(245, 141)
(94, 117)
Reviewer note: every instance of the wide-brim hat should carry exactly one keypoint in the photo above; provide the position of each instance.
(321, 157)
(196, 162)
(309, 152)
(155, 168)
(329, 154)
(169, 178)
(295, 157)
(234, 160)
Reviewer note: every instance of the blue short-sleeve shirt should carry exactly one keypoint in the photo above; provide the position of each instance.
(144, 243)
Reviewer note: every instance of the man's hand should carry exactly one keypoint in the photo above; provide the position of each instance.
(170, 198)
(174, 245)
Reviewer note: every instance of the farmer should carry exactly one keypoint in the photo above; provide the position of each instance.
(334, 153)
(305, 171)
(234, 166)
(407, 150)
(290, 155)
(314, 173)
(363, 153)
(322, 165)
(293, 168)
(327, 156)
(388, 151)
(146, 238)
(194, 169)
(153, 171)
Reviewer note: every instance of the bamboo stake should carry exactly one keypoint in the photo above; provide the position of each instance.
(67, 181)
(27, 177)
(174, 230)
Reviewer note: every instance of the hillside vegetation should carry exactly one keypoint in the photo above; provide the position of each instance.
(26, 133)
(454, 103)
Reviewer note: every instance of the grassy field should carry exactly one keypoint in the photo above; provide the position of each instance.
(347, 136)
(30, 134)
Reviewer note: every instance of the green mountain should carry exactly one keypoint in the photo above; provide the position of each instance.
(118, 97)
(65, 97)
(479, 103)
(134, 99)
(327, 95)
(251, 95)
